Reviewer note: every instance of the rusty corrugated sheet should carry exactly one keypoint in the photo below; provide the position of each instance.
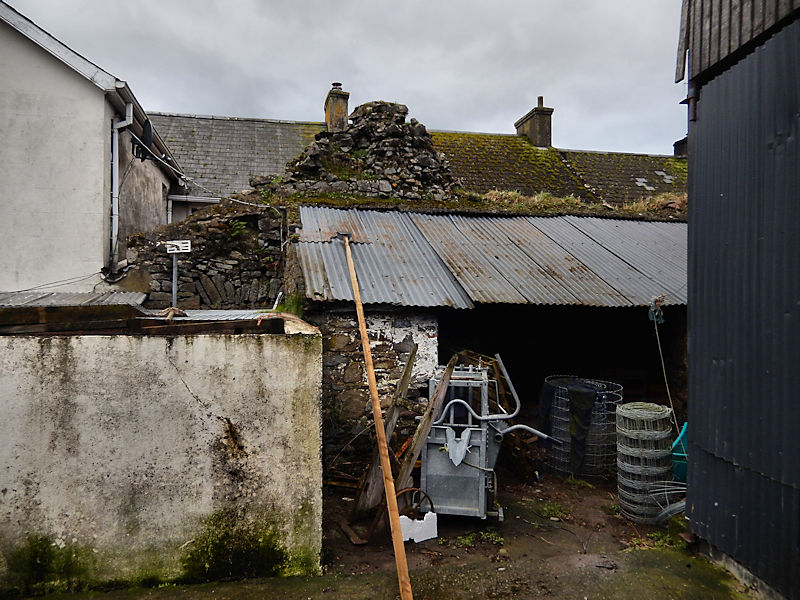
(396, 265)
(656, 250)
(507, 260)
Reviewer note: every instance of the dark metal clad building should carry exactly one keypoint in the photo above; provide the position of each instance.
(744, 283)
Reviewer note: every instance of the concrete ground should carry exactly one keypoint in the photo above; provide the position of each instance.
(559, 540)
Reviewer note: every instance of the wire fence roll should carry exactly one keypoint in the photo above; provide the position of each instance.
(591, 452)
(644, 457)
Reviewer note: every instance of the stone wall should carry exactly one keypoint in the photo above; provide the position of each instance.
(236, 259)
(132, 453)
(392, 334)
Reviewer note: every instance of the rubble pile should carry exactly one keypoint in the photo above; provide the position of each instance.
(379, 154)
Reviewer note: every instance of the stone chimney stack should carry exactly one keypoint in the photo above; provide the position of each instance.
(336, 108)
(536, 125)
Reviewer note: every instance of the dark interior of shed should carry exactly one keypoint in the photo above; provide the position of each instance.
(611, 344)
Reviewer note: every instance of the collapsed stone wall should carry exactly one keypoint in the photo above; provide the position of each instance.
(236, 261)
(378, 154)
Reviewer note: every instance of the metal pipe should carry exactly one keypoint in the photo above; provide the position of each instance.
(174, 280)
(115, 129)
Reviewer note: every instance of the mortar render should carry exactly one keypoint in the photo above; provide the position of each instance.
(127, 447)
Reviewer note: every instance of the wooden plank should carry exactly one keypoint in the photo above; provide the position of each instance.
(423, 429)
(161, 327)
(695, 53)
(403, 578)
(770, 13)
(116, 326)
(784, 8)
(53, 314)
(725, 29)
(714, 32)
(758, 18)
(683, 42)
(736, 25)
(747, 22)
(371, 492)
(705, 35)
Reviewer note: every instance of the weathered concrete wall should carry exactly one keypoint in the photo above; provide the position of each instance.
(142, 195)
(129, 449)
(54, 169)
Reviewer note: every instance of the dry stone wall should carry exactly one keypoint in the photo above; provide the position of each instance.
(236, 259)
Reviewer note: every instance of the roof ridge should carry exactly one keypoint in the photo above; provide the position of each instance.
(56, 48)
(224, 118)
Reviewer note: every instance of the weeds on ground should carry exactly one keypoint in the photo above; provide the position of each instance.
(657, 539)
(471, 540)
(574, 482)
(553, 510)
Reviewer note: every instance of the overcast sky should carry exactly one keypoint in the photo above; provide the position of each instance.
(606, 67)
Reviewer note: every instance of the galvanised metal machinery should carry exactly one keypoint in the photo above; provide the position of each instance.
(461, 450)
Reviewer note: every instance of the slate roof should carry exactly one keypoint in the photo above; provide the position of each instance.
(485, 161)
(415, 259)
(222, 153)
(617, 177)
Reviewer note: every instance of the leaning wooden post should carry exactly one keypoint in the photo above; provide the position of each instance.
(388, 481)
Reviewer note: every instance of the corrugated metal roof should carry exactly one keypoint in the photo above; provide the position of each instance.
(216, 315)
(414, 259)
(16, 299)
(395, 266)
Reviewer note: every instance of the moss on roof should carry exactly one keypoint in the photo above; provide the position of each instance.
(487, 162)
(618, 177)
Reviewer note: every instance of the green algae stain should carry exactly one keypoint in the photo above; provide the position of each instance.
(41, 565)
(232, 546)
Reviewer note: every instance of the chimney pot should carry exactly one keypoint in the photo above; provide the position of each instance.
(336, 108)
(536, 125)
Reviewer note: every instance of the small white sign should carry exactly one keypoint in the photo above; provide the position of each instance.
(178, 246)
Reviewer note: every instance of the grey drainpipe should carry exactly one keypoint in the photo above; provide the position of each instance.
(117, 126)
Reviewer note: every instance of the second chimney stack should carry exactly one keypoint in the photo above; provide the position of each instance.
(536, 125)
(336, 108)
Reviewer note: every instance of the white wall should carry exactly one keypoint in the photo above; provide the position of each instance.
(54, 171)
(122, 445)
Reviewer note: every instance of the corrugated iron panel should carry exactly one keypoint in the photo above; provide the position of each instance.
(511, 260)
(396, 266)
(657, 250)
(471, 267)
(583, 285)
(744, 283)
(321, 224)
(636, 287)
(216, 315)
(10, 299)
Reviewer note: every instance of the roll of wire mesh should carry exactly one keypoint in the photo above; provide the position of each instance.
(644, 457)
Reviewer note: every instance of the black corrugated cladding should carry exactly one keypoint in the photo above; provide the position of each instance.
(744, 312)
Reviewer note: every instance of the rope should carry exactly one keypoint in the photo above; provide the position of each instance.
(656, 316)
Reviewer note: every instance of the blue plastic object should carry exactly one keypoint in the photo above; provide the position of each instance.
(679, 454)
